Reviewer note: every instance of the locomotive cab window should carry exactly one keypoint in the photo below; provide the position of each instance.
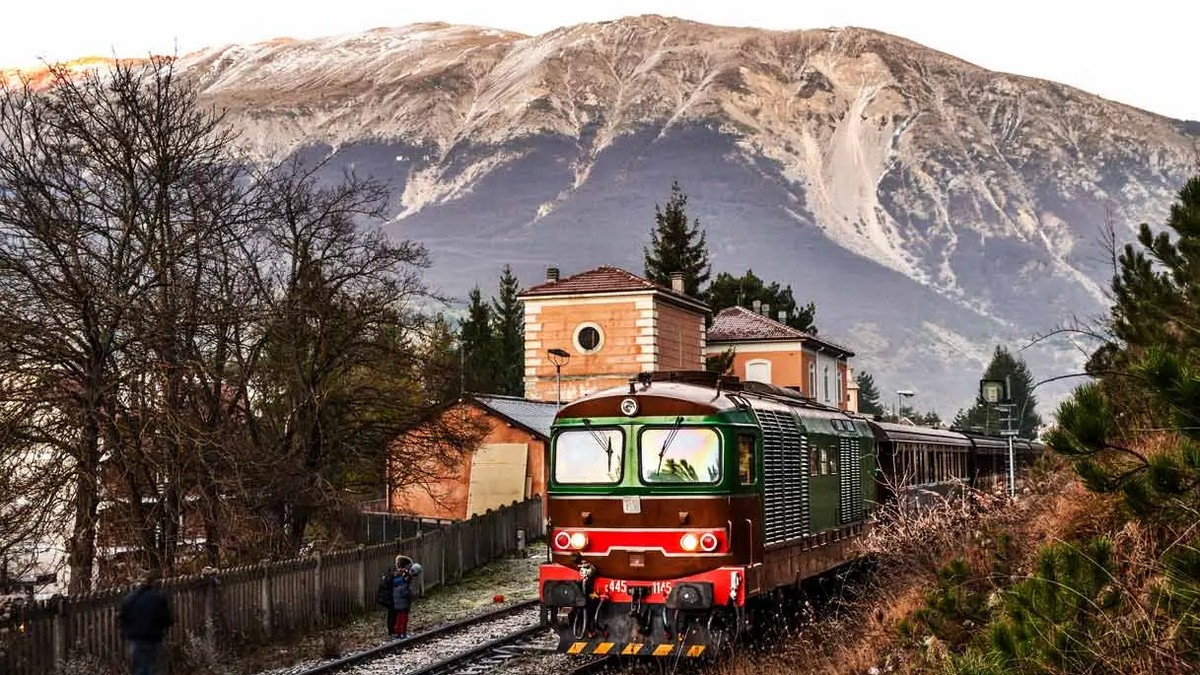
(589, 457)
(745, 459)
(680, 455)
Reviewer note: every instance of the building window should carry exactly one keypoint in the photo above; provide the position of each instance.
(588, 338)
(759, 370)
(841, 398)
(825, 392)
(812, 380)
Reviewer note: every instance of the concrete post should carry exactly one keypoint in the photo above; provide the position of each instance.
(268, 609)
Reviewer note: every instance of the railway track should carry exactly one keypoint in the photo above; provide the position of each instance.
(511, 638)
(453, 648)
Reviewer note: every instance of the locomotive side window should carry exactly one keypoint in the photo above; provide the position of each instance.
(680, 455)
(589, 457)
(746, 459)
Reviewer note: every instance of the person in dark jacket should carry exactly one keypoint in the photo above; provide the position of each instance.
(383, 598)
(403, 592)
(145, 616)
(401, 600)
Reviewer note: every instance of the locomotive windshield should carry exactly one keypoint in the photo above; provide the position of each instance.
(680, 455)
(594, 456)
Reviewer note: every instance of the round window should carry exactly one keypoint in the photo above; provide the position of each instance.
(588, 338)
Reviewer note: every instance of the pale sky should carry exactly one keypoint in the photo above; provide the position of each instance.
(1138, 52)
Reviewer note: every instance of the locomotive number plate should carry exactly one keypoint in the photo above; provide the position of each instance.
(631, 504)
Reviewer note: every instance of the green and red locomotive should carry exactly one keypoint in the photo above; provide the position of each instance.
(680, 507)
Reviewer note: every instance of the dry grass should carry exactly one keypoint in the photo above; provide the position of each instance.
(863, 636)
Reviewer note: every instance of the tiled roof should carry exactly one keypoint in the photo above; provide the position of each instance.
(536, 416)
(604, 279)
(738, 324)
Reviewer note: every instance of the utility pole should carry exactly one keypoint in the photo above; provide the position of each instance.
(998, 393)
(1009, 408)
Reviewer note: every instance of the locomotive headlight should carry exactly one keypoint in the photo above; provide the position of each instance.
(708, 542)
(578, 541)
(689, 542)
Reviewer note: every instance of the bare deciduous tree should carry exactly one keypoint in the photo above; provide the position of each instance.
(193, 349)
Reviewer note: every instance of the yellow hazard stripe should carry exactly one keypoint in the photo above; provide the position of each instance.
(634, 649)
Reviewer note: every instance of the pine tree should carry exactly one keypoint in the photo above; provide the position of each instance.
(676, 247)
(441, 368)
(868, 394)
(730, 291)
(478, 346)
(986, 417)
(1151, 377)
(509, 333)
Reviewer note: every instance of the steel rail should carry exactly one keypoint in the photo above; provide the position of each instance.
(397, 646)
(486, 656)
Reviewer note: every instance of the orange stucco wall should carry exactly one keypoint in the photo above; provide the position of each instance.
(640, 333)
(679, 340)
(447, 496)
(553, 326)
(788, 368)
(785, 366)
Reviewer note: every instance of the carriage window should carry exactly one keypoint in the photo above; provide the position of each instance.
(589, 457)
(679, 455)
(746, 459)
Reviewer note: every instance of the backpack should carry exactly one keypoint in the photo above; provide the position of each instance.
(383, 594)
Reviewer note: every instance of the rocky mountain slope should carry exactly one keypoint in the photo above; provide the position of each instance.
(930, 207)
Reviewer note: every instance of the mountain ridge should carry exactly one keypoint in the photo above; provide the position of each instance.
(848, 162)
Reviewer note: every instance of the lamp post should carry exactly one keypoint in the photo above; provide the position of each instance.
(559, 357)
(906, 393)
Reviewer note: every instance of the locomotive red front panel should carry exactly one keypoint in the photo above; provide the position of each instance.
(647, 538)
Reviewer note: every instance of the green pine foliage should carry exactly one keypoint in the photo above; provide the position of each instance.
(677, 246)
(956, 605)
(1064, 617)
(508, 329)
(987, 418)
(730, 291)
(478, 346)
(868, 394)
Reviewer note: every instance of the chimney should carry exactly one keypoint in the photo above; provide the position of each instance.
(766, 310)
(677, 282)
(783, 317)
(551, 275)
(757, 305)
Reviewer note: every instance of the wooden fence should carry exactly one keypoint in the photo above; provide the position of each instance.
(258, 603)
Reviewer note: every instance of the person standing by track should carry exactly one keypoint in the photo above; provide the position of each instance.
(144, 616)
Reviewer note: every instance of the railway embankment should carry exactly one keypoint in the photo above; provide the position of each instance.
(940, 579)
